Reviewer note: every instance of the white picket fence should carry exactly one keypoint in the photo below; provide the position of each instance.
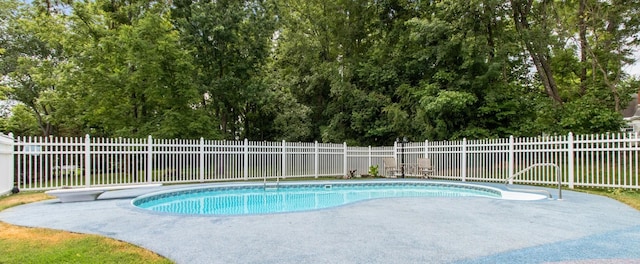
(610, 161)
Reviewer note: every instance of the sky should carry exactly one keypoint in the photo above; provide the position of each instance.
(635, 68)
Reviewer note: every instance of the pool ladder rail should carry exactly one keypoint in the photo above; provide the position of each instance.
(271, 186)
(506, 183)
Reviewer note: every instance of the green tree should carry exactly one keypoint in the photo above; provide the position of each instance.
(533, 21)
(21, 122)
(457, 73)
(359, 71)
(136, 78)
(230, 43)
(33, 60)
(590, 43)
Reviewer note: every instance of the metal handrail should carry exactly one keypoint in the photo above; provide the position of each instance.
(265, 182)
(530, 168)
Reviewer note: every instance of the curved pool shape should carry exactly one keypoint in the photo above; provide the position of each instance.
(294, 197)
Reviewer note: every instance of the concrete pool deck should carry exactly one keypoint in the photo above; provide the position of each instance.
(581, 228)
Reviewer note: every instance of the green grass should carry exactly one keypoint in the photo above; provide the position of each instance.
(40, 245)
(629, 197)
(21, 198)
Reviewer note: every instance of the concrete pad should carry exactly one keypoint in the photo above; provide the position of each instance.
(580, 227)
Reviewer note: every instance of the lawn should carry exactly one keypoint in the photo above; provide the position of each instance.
(629, 197)
(18, 244)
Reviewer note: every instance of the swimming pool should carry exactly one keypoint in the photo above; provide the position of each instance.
(294, 197)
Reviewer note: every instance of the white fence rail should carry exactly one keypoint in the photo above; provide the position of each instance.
(45, 163)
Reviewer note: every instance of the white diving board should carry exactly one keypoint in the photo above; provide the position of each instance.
(92, 193)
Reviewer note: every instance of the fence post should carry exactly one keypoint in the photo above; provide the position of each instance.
(284, 159)
(511, 159)
(369, 162)
(6, 163)
(395, 150)
(464, 160)
(426, 149)
(316, 162)
(346, 170)
(571, 159)
(246, 159)
(149, 158)
(201, 156)
(87, 160)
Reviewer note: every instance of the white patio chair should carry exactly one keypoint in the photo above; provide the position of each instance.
(424, 167)
(391, 167)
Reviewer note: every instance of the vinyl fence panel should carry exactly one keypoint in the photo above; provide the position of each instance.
(608, 161)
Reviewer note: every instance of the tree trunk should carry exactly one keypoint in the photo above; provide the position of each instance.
(583, 46)
(539, 53)
(488, 13)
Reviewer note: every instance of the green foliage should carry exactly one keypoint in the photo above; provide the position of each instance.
(137, 70)
(22, 121)
(291, 119)
(588, 115)
(230, 43)
(33, 62)
(373, 170)
(358, 71)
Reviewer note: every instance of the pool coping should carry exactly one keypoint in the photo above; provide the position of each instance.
(581, 227)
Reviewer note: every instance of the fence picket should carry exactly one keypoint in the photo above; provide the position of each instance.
(610, 160)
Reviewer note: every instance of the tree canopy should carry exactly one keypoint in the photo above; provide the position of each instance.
(357, 71)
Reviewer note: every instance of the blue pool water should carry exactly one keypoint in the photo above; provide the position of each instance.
(255, 199)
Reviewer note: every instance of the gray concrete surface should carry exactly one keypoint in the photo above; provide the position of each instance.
(581, 228)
